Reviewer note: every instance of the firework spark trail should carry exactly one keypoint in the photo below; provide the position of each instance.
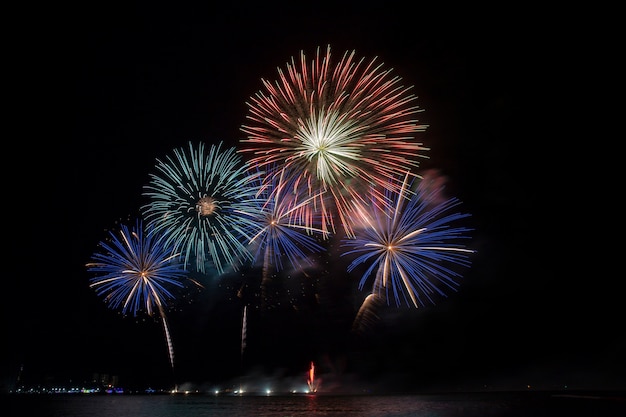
(199, 201)
(414, 249)
(168, 337)
(136, 271)
(367, 314)
(338, 128)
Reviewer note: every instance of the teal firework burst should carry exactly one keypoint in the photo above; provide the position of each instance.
(199, 199)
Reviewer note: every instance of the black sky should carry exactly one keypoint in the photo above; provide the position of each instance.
(109, 88)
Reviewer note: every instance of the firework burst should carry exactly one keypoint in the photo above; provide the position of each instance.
(339, 128)
(415, 249)
(137, 270)
(281, 236)
(199, 200)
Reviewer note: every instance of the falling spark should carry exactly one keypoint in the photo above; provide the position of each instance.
(244, 329)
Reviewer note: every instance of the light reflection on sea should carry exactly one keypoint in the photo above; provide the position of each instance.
(449, 405)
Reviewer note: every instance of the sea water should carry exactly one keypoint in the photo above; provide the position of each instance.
(498, 404)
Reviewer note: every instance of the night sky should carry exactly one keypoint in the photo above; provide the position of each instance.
(114, 87)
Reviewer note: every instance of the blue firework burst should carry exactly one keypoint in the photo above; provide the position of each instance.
(137, 270)
(283, 232)
(415, 249)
